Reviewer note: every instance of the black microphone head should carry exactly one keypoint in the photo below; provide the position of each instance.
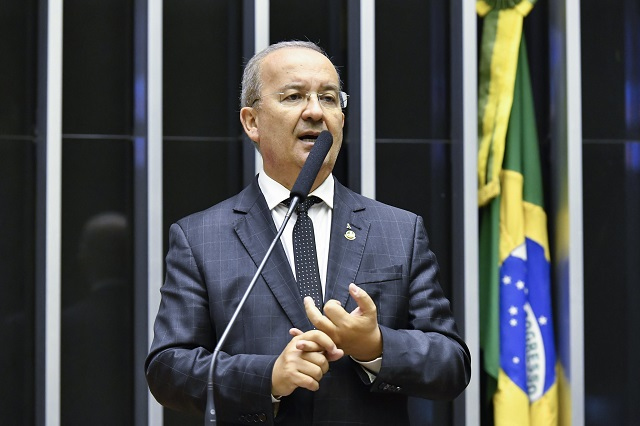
(312, 166)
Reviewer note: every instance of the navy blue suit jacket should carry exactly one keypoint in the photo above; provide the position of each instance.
(212, 258)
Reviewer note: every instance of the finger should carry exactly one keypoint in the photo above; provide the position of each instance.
(334, 311)
(325, 342)
(295, 332)
(308, 346)
(327, 346)
(335, 355)
(363, 300)
(307, 381)
(309, 370)
(313, 313)
(318, 320)
(315, 360)
(300, 379)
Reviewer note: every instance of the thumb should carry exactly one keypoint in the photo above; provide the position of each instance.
(362, 299)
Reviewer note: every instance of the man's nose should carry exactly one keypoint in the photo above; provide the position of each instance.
(313, 109)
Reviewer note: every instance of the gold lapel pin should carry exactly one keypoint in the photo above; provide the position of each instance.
(350, 235)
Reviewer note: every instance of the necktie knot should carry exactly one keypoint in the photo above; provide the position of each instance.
(305, 205)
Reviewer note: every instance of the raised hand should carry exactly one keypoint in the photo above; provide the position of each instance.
(357, 332)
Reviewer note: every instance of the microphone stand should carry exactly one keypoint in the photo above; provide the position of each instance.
(300, 190)
(210, 410)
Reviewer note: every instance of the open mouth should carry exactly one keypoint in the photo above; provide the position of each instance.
(308, 138)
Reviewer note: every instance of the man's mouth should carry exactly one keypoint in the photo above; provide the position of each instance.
(308, 138)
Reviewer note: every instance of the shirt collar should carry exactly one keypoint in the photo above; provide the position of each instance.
(274, 193)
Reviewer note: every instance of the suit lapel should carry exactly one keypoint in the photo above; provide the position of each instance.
(345, 248)
(256, 231)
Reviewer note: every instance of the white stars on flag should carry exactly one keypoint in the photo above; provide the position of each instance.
(542, 320)
(513, 311)
(520, 285)
(516, 360)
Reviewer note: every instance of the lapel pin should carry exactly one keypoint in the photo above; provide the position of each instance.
(350, 235)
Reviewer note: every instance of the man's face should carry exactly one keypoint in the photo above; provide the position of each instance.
(284, 133)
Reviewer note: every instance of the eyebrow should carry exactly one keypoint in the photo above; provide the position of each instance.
(300, 86)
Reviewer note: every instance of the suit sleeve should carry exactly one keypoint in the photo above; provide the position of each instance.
(178, 362)
(427, 358)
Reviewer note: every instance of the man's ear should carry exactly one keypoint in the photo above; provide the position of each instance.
(249, 122)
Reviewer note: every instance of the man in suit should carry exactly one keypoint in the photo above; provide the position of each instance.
(385, 330)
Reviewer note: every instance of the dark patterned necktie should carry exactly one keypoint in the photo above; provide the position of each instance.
(304, 253)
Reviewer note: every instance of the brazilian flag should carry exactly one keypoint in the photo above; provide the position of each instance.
(516, 330)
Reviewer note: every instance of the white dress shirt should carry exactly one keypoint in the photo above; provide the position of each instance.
(320, 214)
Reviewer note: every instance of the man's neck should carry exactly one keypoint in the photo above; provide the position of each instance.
(288, 183)
(275, 192)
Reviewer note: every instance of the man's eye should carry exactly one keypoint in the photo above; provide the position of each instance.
(328, 98)
(292, 97)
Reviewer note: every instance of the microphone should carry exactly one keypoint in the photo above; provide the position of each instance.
(312, 166)
(299, 192)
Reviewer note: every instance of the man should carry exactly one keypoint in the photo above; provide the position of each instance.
(385, 331)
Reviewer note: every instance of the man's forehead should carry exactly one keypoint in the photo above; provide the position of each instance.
(289, 60)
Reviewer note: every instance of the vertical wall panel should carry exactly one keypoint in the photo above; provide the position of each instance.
(18, 79)
(611, 161)
(97, 365)
(197, 159)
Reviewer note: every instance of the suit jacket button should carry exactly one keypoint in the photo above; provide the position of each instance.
(262, 417)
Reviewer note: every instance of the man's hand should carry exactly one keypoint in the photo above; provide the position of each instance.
(303, 362)
(357, 333)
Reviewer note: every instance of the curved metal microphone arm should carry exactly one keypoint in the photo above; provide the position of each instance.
(300, 190)
(210, 417)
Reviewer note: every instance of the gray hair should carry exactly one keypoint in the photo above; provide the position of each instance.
(251, 81)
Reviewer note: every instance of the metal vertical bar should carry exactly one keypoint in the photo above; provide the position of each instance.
(48, 221)
(256, 37)
(53, 210)
(154, 200)
(261, 41)
(574, 168)
(566, 144)
(368, 98)
(146, 411)
(464, 113)
(470, 191)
